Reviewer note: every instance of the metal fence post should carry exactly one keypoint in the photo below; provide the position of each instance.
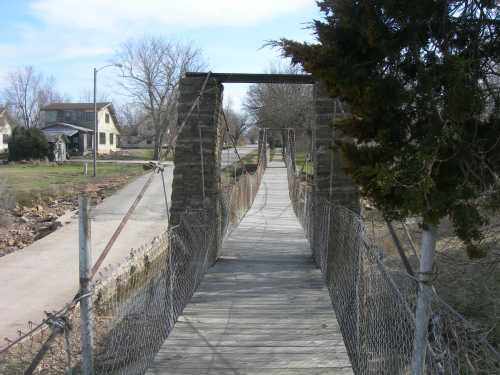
(85, 276)
(424, 299)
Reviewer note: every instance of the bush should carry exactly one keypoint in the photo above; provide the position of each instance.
(28, 144)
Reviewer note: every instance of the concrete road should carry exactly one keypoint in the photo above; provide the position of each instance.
(44, 276)
(229, 156)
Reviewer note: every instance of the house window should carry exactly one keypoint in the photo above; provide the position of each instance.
(5, 139)
(89, 116)
(111, 140)
(102, 138)
(106, 118)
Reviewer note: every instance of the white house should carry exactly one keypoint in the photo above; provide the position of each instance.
(78, 119)
(5, 129)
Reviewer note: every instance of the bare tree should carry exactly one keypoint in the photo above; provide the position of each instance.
(252, 134)
(87, 96)
(130, 116)
(238, 123)
(27, 92)
(152, 68)
(280, 106)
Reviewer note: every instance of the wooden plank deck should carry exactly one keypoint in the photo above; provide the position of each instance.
(263, 308)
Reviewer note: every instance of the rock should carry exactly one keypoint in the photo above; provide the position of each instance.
(10, 242)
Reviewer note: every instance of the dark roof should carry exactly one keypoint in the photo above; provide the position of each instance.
(65, 129)
(74, 106)
(83, 107)
(256, 78)
(53, 137)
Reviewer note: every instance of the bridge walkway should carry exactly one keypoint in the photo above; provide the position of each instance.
(263, 308)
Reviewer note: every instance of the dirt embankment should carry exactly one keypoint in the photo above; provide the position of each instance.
(21, 226)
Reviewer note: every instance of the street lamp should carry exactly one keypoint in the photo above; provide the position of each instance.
(96, 134)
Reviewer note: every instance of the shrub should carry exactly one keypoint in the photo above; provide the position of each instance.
(28, 144)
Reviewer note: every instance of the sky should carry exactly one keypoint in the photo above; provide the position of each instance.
(66, 39)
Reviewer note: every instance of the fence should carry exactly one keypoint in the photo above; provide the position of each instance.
(136, 305)
(375, 301)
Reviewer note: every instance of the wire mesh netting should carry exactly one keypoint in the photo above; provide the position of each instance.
(374, 301)
(135, 305)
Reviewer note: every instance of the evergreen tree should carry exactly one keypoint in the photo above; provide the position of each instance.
(422, 81)
(28, 144)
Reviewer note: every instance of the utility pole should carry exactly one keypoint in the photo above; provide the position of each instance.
(96, 134)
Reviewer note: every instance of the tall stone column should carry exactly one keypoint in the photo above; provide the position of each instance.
(196, 182)
(334, 228)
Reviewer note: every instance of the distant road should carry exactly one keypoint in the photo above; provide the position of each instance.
(228, 157)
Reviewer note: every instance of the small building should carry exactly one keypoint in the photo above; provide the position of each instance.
(81, 116)
(58, 144)
(6, 125)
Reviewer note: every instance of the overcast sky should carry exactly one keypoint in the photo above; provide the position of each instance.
(67, 38)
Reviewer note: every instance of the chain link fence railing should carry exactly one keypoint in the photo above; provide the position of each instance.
(374, 300)
(135, 305)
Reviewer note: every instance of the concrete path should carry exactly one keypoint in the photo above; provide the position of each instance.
(263, 308)
(44, 275)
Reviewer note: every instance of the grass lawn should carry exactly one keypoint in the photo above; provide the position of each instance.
(136, 154)
(34, 183)
(127, 154)
(300, 162)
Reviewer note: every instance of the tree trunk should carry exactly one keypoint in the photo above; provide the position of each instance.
(156, 145)
(424, 300)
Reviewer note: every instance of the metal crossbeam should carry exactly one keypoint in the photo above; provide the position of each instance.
(257, 77)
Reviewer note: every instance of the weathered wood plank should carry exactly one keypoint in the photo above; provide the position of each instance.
(246, 371)
(263, 308)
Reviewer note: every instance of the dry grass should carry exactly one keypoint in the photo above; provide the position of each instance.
(470, 286)
(39, 182)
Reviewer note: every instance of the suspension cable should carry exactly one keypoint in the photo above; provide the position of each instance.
(172, 142)
(202, 159)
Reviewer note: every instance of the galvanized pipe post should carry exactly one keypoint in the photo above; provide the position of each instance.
(424, 299)
(85, 252)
